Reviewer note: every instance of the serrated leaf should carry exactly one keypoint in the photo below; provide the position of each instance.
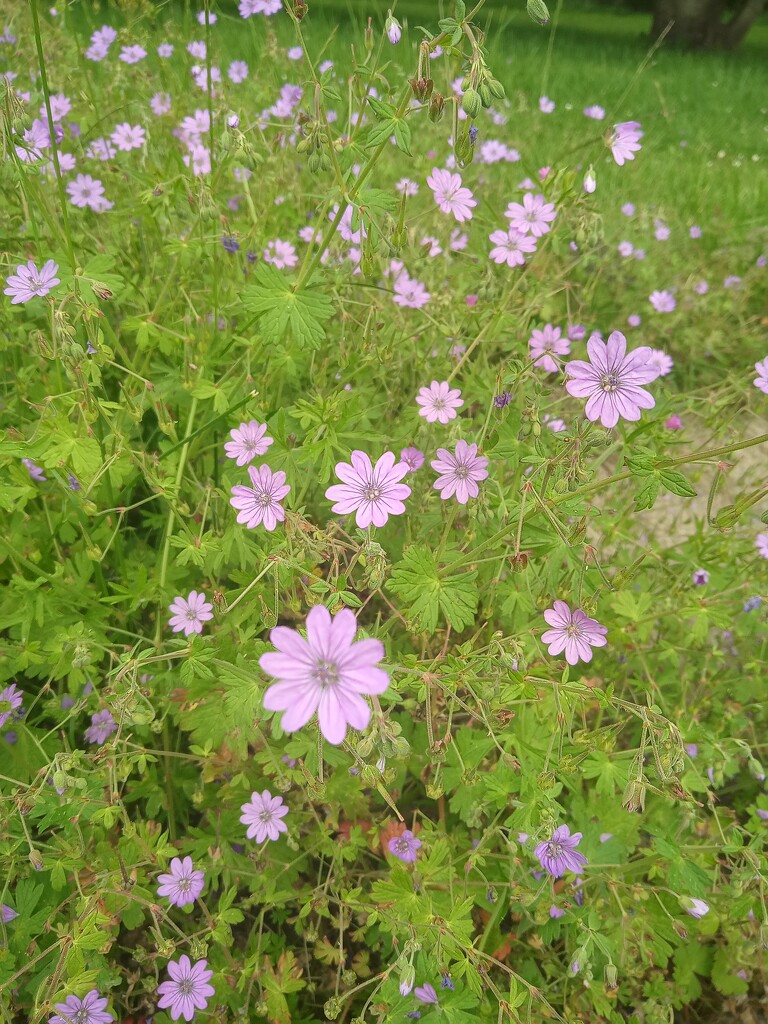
(381, 110)
(647, 492)
(302, 312)
(403, 136)
(429, 592)
(676, 483)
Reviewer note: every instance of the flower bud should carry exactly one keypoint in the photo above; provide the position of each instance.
(486, 96)
(101, 290)
(634, 797)
(611, 977)
(471, 103)
(436, 107)
(36, 860)
(537, 11)
(590, 181)
(368, 43)
(233, 122)
(394, 31)
(407, 978)
(332, 1008)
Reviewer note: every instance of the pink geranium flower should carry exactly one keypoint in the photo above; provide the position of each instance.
(189, 613)
(263, 815)
(260, 504)
(761, 543)
(374, 493)
(533, 216)
(662, 301)
(280, 254)
(413, 458)
(128, 136)
(625, 141)
(249, 440)
(29, 282)
(545, 343)
(187, 989)
(761, 381)
(327, 673)
(611, 380)
(439, 402)
(450, 195)
(182, 884)
(460, 472)
(511, 247)
(410, 293)
(572, 632)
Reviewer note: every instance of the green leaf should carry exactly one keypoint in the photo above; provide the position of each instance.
(303, 312)
(647, 492)
(429, 592)
(381, 110)
(676, 483)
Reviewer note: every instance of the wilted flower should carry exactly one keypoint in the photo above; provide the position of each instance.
(425, 994)
(696, 908)
(393, 29)
(101, 728)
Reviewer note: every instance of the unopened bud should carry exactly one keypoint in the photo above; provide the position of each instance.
(436, 107)
(537, 11)
(407, 978)
(471, 103)
(611, 977)
(332, 1008)
(590, 182)
(393, 29)
(101, 290)
(36, 860)
(634, 797)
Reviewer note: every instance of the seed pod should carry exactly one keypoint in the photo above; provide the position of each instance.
(471, 103)
(497, 89)
(537, 11)
(486, 97)
(436, 108)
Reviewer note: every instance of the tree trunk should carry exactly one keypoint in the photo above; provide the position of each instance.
(699, 23)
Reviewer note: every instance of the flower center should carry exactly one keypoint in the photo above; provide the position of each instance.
(461, 472)
(264, 499)
(265, 816)
(554, 850)
(572, 630)
(185, 987)
(438, 403)
(81, 1017)
(609, 382)
(326, 673)
(191, 615)
(402, 845)
(372, 492)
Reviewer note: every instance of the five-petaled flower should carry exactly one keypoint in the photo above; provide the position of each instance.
(327, 672)
(29, 282)
(405, 846)
(183, 884)
(249, 440)
(460, 472)
(761, 381)
(260, 504)
(439, 402)
(373, 493)
(625, 141)
(11, 699)
(511, 247)
(187, 989)
(559, 854)
(611, 380)
(450, 195)
(189, 613)
(533, 216)
(263, 815)
(573, 632)
(91, 1009)
(546, 343)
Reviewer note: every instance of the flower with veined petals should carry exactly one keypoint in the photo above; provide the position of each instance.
(572, 632)
(374, 493)
(29, 282)
(533, 216)
(625, 141)
(544, 344)
(263, 815)
(11, 699)
(91, 1009)
(696, 908)
(611, 380)
(248, 442)
(460, 472)
(439, 402)
(450, 195)
(426, 994)
(189, 613)
(405, 846)
(183, 884)
(327, 672)
(413, 458)
(187, 989)
(102, 726)
(510, 247)
(559, 854)
(260, 504)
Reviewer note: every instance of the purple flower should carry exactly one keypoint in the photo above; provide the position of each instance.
(426, 994)
(87, 191)
(595, 112)
(546, 105)
(11, 698)
(611, 380)
(183, 885)
(413, 458)
(188, 989)
(34, 470)
(459, 472)
(626, 249)
(260, 504)
(572, 632)
(634, 320)
(762, 814)
(662, 302)
(544, 344)
(761, 381)
(7, 914)
(555, 912)
(374, 493)
(661, 361)
(696, 908)
(673, 423)
(533, 216)
(752, 603)
(189, 613)
(165, 50)
(327, 672)
(439, 402)
(128, 136)
(91, 1009)
(559, 854)
(405, 847)
(701, 577)
(263, 815)
(393, 29)
(248, 442)
(29, 282)
(628, 209)
(625, 141)
(695, 231)
(230, 244)
(101, 728)
(502, 401)
(761, 543)
(132, 54)
(410, 293)
(447, 983)
(732, 281)
(605, 836)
